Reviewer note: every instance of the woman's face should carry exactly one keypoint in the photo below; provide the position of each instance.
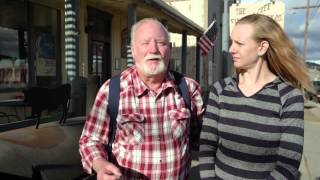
(244, 49)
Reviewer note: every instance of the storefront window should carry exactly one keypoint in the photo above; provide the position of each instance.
(44, 31)
(29, 38)
(13, 45)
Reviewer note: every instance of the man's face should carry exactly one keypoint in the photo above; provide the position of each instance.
(151, 49)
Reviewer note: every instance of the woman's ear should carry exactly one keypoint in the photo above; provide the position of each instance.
(263, 47)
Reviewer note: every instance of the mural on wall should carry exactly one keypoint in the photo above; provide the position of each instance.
(45, 54)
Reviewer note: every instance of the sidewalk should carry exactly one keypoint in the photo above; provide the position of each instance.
(310, 165)
(52, 147)
(56, 147)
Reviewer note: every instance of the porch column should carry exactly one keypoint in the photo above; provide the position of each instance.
(184, 52)
(71, 39)
(198, 61)
(164, 22)
(132, 18)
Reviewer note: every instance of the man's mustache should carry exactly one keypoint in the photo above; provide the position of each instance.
(152, 57)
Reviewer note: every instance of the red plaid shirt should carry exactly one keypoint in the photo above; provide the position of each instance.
(151, 139)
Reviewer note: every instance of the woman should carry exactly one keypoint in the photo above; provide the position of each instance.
(253, 126)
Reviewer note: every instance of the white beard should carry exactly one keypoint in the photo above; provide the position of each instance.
(154, 70)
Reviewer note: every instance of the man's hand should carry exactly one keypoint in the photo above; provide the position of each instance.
(105, 170)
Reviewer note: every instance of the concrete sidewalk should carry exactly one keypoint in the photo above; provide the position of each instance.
(310, 165)
(55, 149)
(52, 147)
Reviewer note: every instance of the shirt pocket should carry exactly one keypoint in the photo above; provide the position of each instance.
(179, 119)
(131, 129)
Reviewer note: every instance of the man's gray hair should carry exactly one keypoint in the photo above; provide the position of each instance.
(141, 22)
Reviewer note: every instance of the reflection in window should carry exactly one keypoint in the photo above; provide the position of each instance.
(44, 42)
(13, 58)
(13, 44)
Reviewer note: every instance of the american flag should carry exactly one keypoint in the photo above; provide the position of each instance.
(206, 41)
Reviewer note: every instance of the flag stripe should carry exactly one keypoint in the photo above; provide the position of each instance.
(204, 50)
(206, 41)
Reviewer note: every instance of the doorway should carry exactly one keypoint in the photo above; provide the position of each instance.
(99, 45)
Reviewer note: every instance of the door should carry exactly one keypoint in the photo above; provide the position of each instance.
(99, 37)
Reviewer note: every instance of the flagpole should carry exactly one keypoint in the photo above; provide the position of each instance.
(210, 26)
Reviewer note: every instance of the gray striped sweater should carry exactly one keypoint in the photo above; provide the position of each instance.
(256, 137)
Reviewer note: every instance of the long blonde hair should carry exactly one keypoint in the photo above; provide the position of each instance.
(282, 57)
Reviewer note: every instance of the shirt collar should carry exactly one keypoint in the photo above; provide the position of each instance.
(138, 84)
(235, 80)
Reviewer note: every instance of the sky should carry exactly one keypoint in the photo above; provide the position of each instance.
(294, 25)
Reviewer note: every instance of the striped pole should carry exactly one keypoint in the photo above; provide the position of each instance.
(129, 56)
(132, 18)
(71, 39)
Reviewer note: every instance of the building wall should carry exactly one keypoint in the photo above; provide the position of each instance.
(193, 9)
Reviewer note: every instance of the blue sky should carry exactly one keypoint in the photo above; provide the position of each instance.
(294, 26)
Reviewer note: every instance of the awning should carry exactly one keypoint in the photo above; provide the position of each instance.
(177, 22)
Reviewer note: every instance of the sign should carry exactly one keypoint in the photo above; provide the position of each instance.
(274, 10)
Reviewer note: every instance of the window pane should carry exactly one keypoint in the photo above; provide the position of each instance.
(13, 45)
(97, 55)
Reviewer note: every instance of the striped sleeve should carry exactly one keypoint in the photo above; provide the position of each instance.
(292, 134)
(209, 136)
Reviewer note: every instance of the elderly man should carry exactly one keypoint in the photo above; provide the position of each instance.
(152, 135)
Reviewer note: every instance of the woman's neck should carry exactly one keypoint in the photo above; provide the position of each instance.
(254, 79)
(259, 74)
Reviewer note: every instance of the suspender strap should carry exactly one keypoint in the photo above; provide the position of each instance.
(113, 107)
(183, 89)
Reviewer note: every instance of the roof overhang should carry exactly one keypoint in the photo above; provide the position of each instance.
(176, 22)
